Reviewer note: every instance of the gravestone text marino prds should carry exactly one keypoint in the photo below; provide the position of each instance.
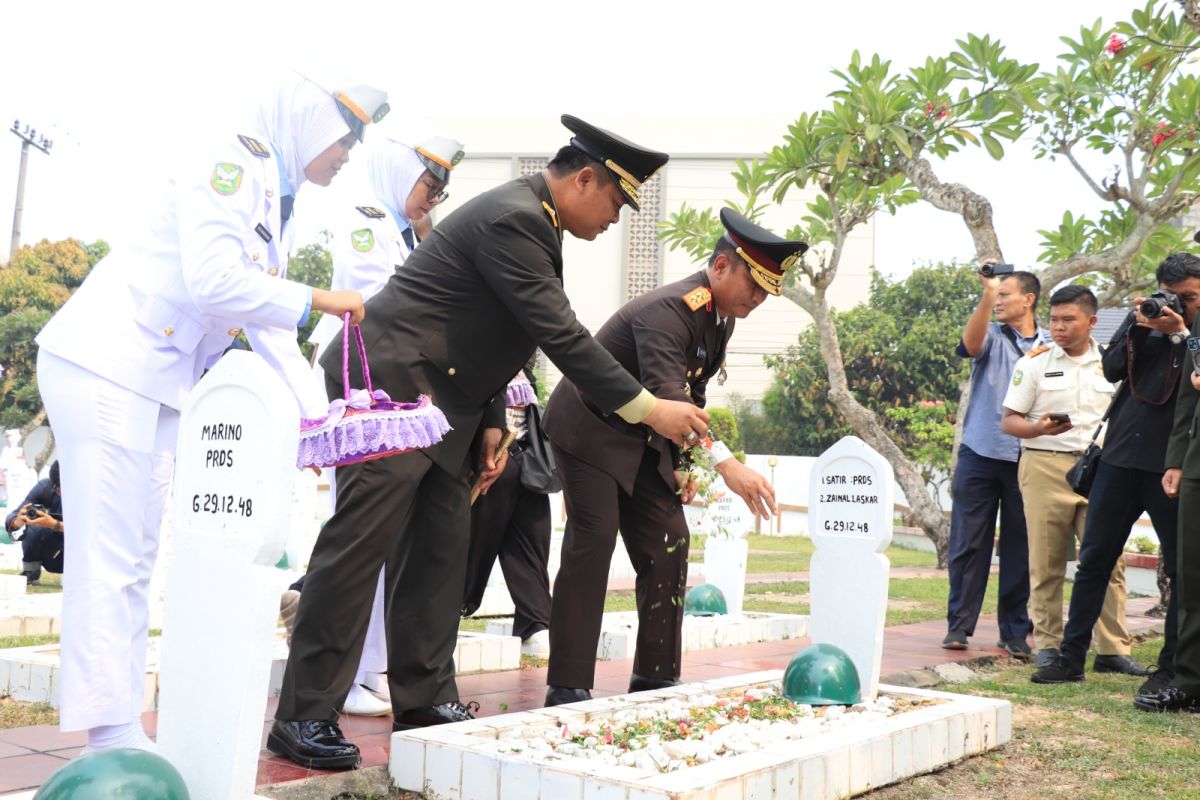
(234, 468)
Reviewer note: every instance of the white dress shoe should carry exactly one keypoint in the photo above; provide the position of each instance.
(376, 683)
(362, 703)
(537, 645)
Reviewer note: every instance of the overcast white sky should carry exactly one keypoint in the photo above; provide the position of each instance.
(120, 85)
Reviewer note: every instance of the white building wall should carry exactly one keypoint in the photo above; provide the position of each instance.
(699, 174)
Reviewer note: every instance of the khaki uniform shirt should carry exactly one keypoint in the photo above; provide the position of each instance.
(1047, 380)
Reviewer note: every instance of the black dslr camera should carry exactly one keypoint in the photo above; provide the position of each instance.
(992, 270)
(1154, 305)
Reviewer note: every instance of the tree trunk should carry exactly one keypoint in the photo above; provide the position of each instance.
(41, 458)
(1164, 591)
(926, 511)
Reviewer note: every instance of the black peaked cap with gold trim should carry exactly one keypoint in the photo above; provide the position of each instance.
(631, 165)
(768, 256)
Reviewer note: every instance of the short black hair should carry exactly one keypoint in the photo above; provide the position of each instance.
(55, 481)
(570, 159)
(1079, 295)
(1029, 284)
(1178, 267)
(723, 245)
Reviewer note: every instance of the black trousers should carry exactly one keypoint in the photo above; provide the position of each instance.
(982, 486)
(409, 513)
(656, 536)
(1187, 656)
(43, 546)
(1118, 497)
(513, 523)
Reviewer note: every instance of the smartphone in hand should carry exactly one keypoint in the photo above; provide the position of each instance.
(1061, 419)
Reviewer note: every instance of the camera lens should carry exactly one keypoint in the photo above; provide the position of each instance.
(1152, 307)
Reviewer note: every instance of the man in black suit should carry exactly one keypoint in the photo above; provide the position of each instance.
(617, 474)
(457, 322)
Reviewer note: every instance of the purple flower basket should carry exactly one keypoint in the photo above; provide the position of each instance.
(365, 424)
(519, 393)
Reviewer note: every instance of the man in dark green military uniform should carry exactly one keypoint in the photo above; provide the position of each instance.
(467, 310)
(616, 473)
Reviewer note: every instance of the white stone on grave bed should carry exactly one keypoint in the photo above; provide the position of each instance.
(850, 523)
(235, 465)
(522, 754)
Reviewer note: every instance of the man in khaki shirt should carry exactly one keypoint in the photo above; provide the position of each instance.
(1054, 402)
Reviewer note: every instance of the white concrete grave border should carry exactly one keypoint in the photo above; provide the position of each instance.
(618, 631)
(461, 762)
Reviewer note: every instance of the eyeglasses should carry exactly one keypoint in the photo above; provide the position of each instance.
(433, 193)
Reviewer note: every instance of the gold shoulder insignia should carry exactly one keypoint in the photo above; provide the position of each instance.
(1037, 351)
(550, 211)
(371, 211)
(697, 298)
(254, 146)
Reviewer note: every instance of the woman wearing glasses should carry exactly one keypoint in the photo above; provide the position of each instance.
(376, 237)
(372, 244)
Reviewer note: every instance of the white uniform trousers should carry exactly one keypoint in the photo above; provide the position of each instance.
(116, 452)
(374, 654)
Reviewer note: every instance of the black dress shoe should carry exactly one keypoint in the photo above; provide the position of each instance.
(560, 695)
(1060, 670)
(1045, 657)
(640, 683)
(955, 640)
(1160, 678)
(1017, 648)
(1172, 698)
(1122, 664)
(441, 714)
(313, 743)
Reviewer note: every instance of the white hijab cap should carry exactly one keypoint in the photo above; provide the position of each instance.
(302, 121)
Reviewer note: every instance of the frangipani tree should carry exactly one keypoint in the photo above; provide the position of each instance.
(1119, 93)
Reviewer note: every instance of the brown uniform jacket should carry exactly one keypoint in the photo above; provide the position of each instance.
(467, 309)
(672, 349)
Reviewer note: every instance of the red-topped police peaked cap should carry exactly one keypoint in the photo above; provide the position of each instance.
(768, 256)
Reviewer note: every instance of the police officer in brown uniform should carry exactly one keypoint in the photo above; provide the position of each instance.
(467, 310)
(617, 474)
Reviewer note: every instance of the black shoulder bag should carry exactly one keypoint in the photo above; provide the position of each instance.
(1083, 472)
(538, 473)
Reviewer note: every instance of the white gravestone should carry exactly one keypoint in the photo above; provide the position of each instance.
(727, 520)
(235, 465)
(850, 523)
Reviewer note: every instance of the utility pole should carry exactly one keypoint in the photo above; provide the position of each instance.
(28, 137)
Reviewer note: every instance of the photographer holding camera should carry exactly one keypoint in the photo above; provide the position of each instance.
(985, 480)
(1147, 352)
(41, 516)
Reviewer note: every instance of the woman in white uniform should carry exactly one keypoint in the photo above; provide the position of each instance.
(118, 360)
(408, 181)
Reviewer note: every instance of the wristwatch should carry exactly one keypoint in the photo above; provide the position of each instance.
(1177, 338)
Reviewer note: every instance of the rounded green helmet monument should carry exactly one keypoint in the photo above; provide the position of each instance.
(704, 600)
(822, 675)
(123, 774)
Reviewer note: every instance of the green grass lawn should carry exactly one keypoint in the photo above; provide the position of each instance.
(1080, 740)
(793, 553)
(909, 599)
(47, 584)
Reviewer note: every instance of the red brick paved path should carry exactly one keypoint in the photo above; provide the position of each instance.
(29, 755)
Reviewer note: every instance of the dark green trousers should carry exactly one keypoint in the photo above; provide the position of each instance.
(410, 514)
(1187, 657)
